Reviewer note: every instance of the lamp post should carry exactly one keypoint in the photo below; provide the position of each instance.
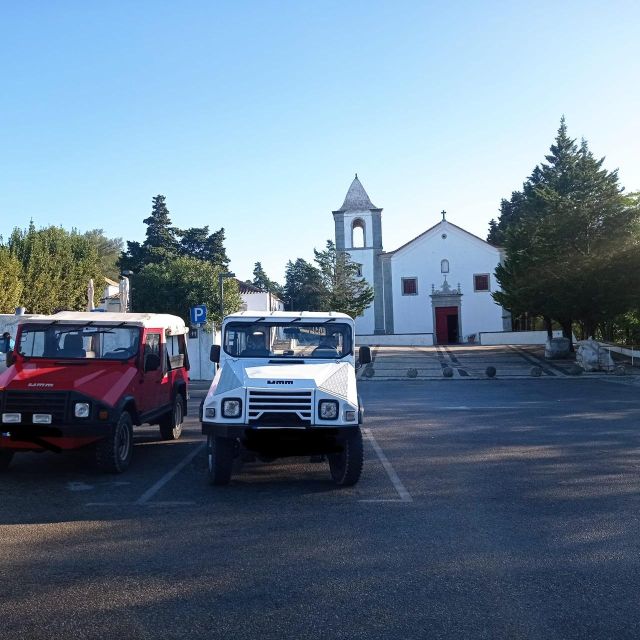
(221, 277)
(127, 274)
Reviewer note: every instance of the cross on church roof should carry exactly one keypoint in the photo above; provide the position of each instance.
(444, 213)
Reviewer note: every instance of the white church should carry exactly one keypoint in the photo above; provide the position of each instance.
(435, 289)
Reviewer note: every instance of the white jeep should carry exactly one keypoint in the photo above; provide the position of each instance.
(286, 386)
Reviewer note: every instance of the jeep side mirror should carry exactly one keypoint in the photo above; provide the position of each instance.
(214, 354)
(151, 362)
(364, 355)
(10, 358)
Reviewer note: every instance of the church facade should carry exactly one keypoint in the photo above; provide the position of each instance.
(436, 287)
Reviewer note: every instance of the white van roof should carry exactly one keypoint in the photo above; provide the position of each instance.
(173, 325)
(289, 315)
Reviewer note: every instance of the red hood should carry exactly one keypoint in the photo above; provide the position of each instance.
(103, 381)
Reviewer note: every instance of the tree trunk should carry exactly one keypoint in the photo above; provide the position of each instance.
(567, 332)
(547, 326)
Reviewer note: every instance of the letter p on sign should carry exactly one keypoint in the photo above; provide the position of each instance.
(198, 314)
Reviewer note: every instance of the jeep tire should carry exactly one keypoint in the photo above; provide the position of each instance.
(113, 453)
(5, 459)
(220, 454)
(346, 466)
(171, 424)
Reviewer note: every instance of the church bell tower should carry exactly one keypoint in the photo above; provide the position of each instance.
(358, 229)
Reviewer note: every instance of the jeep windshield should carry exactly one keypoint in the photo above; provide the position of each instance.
(323, 340)
(79, 342)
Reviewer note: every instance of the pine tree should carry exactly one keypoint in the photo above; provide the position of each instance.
(304, 289)
(160, 233)
(347, 291)
(571, 241)
(197, 242)
(160, 243)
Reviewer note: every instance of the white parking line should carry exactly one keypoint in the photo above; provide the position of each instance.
(405, 496)
(151, 491)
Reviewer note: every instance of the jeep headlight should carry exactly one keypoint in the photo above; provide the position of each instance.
(328, 409)
(81, 410)
(231, 408)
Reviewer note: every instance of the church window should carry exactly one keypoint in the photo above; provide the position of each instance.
(358, 234)
(444, 266)
(359, 271)
(409, 286)
(481, 282)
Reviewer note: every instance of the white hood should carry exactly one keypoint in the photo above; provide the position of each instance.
(334, 377)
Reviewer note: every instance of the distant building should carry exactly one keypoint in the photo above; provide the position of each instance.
(439, 283)
(110, 300)
(253, 299)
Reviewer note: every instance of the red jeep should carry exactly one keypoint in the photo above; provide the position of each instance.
(79, 379)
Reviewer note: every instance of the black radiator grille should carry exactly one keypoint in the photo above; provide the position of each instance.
(29, 402)
(290, 407)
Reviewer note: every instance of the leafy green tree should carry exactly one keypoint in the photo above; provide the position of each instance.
(56, 267)
(304, 289)
(571, 238)
(109, 250)
(175, 285)
(10, 281)
(346, 291)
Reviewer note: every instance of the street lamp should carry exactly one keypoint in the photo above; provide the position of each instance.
(221, 277)
(127, 274)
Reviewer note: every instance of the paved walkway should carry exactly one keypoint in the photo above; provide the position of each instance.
(467, 362)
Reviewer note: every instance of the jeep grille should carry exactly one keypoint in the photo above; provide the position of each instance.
(29, 402)
(284, 408)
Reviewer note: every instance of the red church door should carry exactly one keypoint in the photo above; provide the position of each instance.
(446, 325)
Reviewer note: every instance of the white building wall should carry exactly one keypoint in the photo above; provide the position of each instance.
(261, 301)
(421, 259)
(365, 324)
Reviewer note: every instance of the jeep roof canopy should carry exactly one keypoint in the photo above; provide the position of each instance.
(289, 315)
(173, 325)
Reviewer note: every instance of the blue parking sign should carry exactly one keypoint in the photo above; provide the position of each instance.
(198, 314)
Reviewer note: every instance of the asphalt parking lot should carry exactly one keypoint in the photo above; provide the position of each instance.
(503, 508)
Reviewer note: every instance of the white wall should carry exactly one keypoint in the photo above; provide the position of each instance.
(261, 301)
(634, 354)
(199, 348)
(516, 337)
(421, 259)
(397, 340)
(365, 323)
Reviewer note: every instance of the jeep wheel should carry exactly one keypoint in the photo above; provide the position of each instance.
(113, 453)
(219, 459)
(346, 466)
(171, 424)
(5, 459)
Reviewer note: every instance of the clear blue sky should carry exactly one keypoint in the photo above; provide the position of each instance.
(255, 115)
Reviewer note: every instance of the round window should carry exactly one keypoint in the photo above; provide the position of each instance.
(444, 236)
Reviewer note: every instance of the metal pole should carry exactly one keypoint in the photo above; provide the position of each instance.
(221, 287)
(221, 277)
